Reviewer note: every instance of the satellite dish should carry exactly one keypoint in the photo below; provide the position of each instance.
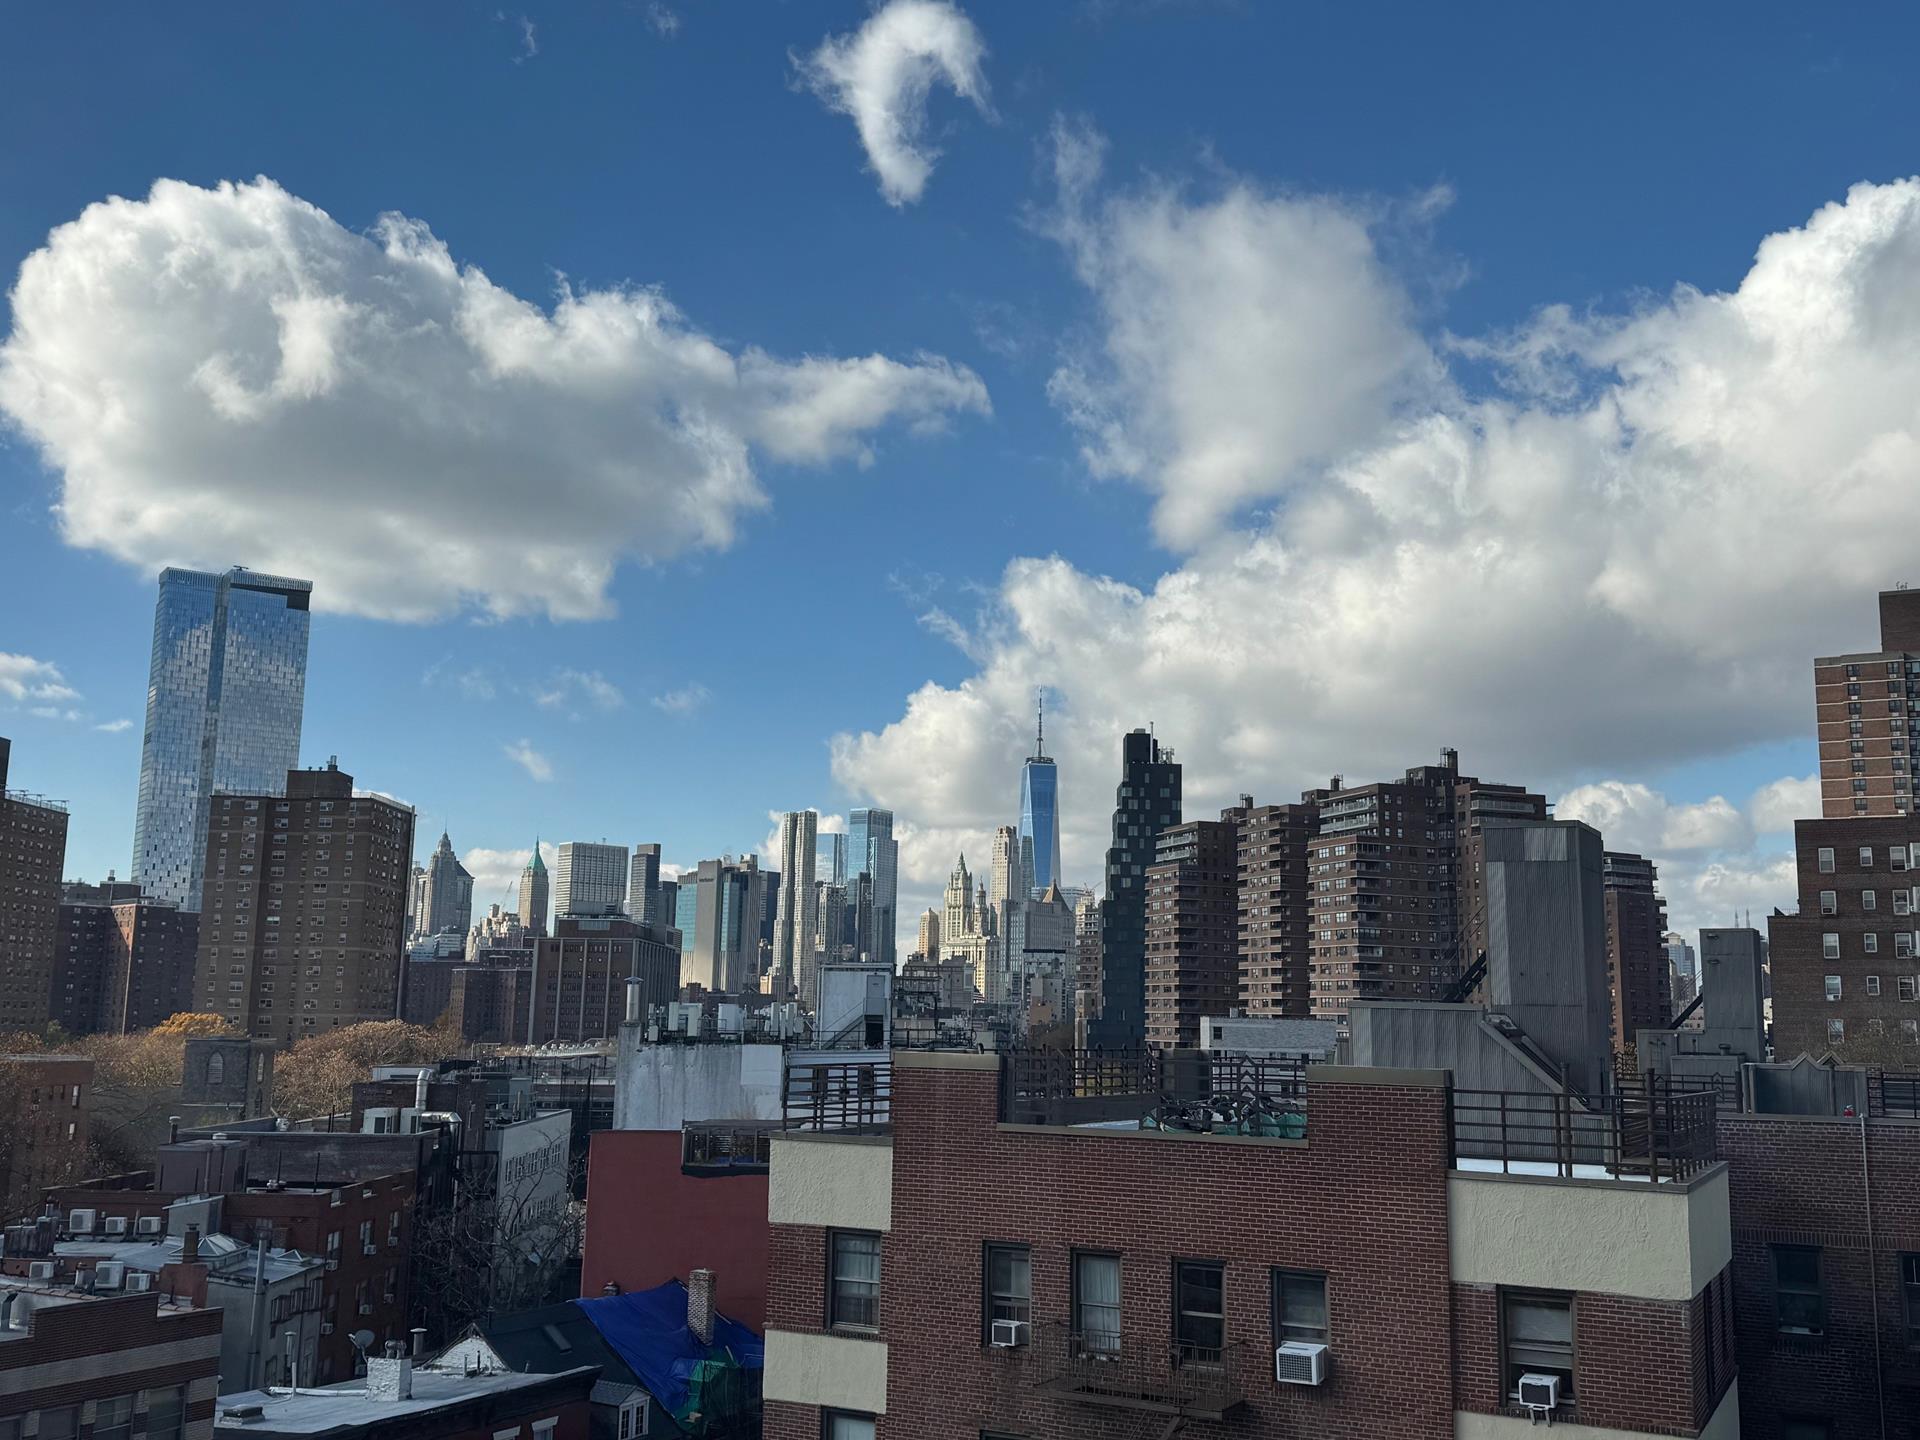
(361, 1339)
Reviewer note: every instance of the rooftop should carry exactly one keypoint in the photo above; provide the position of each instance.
(347, 1406)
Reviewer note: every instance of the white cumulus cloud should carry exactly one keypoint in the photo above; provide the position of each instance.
(1775, 807)
(1614, 556)
(684, 701)
(24, 678)
(568, 686)
(881, 75)
(523, 754)
(229, 372)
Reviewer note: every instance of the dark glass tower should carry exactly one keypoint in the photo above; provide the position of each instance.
(1146, 804)
(1040, 816)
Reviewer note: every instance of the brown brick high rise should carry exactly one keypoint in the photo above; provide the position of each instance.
(1273, 919)
(303, 919)
(1863, 706)
(125, 962)
(1637, 974)
(1193, 893)
(33, 851)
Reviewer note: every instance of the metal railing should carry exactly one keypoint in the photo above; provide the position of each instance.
(1893, 1094)
(721, 1147)
(850, 1096)
(1213, 1092)
(1125, 1372)
(1649, 1132)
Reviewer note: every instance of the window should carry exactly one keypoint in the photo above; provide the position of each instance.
(1794, 1427)
(542, 1429)
(853, 1301)
(1826, 860)
(1910, 1031)
(1910, 1297)
(1799, 1306)
(1009, 1287)
(633, 1419)
(1199, 1311)
(1537, 1336)
(1869, 900)
(842, 1425)
(1836, 1032)
(1896, 857)
(1096, 1303)
(1830, 946)
(1866, 857)
(1299, 1306)
(113, 1418)
(1873, 986)
(1829, 903)
(1870, 943)
(1903, 943)
(1832, 986)
(1902, 902)
(60, 1422)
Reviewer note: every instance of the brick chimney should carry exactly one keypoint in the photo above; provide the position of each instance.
(190, 1246)
(700, 1305)
(390, 1377)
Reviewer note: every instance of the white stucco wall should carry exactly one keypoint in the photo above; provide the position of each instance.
(1656, 1242)
(847, 1183)
(829, 1370)
(1467, 1425)
(661, 1086)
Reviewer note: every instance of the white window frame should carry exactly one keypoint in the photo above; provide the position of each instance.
(1825, 859)
(1873, 986)
(1832, 987)
(1830, 945)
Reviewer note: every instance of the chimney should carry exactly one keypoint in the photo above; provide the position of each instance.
(634, 995)
(419, 1342)
(390, 1377)
(700, 1305)
(190, 1246)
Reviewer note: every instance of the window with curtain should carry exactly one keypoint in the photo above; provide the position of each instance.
(853, 1301)
(1537, 1332)
(1299, 1306)
(1199, 1311)
(1096, 1303)
(840, 1425)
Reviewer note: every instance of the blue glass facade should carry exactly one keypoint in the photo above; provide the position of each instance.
(872, 849)
(1040, 822)
(225, 693)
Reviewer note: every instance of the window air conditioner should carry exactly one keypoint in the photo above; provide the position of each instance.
(116, 1224)
(139, 1281)
(109, 1275)
(40, 1270)
(366, 1309)
(80, 1222)
(148, 1225)
(1539, 1393)
(326, 1327)
(1009, 1333)
(1300, 1362)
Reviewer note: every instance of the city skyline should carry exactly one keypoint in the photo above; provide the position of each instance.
(1508, 481)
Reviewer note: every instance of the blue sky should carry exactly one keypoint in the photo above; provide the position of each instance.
(1425, 178)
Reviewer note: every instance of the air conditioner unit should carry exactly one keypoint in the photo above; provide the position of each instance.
(326, 1327)
(1540, 1393)
(140, 1280)
(332, 1264)
(1009, 1333)
(80, 1222)
(369, 1249)
(147, 1225)
(109, 1275)
(1300, 1362)
(40, 1270)
(366, 1309)
(116, 1224)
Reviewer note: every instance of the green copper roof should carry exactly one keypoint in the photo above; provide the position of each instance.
(539, 866)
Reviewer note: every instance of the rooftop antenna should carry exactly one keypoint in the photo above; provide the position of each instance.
(1040, 724)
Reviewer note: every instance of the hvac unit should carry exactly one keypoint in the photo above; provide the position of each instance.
(369, 1248)
(1009, 1333)
(1540, 1393)
(40, 1270)
(116, 1225)
(366, 1309)
(147, 1225)
(326, 1327)
(1300, 1362)
(80, 1222)
(140, 1280)
(109, 1275)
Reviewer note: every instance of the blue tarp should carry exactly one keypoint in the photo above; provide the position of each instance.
(649, 1331)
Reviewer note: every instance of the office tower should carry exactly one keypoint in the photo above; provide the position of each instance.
(794, 926)
(872, 848)
(830, 859)
(304, 926)
(123, 962)
(664, 903)
(33, 852)
(930, 934)
(416, 899)
(1192, 925)
(1683, 966)
(1146, 803)
(644, 900)
(580, 974)
(1003, 870)
(590, 878)
(957, 919)
(830, 942)
(1039, 847)
(224, 696)
(533, 893)
(1864, 707)
(863, 944)
(1637, 976)
(445, 905)
(720, 906)
(1275, 926)
(1086, 963)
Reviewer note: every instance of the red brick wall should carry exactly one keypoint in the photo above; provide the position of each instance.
(647, 1223)
(67, 1333)
(1365, 1201)
(1797, 1180)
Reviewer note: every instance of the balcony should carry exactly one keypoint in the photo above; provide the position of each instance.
(1649, 1132)
(1124, 1373)
(854, 1096)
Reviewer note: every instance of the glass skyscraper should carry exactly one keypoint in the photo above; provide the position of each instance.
(225, 693)
(1040, 816)
(872, 849)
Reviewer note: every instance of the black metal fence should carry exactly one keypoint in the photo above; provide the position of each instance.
(845, 1095)
(1129, 1373)
(1893, 1094)
(1648, 1132)
(1211, 1092)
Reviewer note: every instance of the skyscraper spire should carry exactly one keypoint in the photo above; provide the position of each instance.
(1040, 723)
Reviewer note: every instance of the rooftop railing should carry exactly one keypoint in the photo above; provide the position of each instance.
(1649, 1132)
(850, 1096)
(1124, 1372)
(1893, 1094)
(1209, 1092)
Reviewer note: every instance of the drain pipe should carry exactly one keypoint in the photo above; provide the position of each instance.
(1873, 1276)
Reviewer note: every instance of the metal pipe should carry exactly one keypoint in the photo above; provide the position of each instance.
(1873, 1277)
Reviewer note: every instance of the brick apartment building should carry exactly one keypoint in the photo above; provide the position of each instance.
(75, 1364)
(33, 852)
(1844, 966)
(46, 1100)
(1863, 707)
(1637, 972)
(1152, 1280)
(1274, 922)
(123, 962)
(1193, 965)
(578, 990)
(303, 918)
